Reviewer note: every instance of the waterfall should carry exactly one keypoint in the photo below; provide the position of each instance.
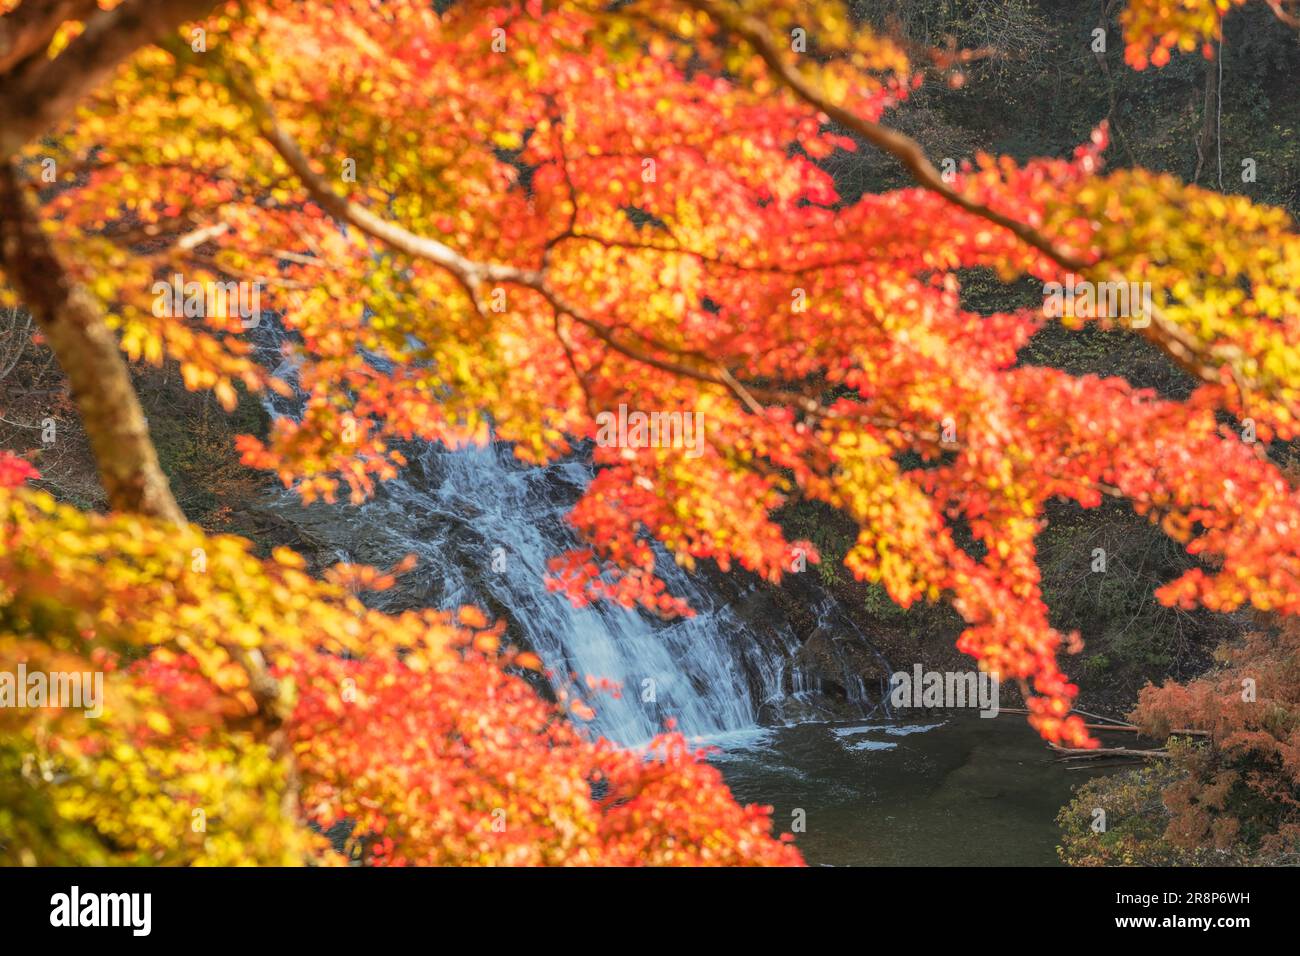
(484, 525)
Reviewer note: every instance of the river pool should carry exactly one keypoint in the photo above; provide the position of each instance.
(947, 791)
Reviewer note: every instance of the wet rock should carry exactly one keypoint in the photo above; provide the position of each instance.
(841, 660)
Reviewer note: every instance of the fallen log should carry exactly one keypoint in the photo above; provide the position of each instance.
(1114, 725)
(1084, 753)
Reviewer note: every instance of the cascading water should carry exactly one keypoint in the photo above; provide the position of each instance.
(484, 527)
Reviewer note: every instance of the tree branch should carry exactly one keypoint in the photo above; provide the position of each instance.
(40, 92)
(30, 28)
(472, 274)
(1173, 341)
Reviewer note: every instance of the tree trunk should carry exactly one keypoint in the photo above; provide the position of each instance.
(87, 350)
(1209, 110)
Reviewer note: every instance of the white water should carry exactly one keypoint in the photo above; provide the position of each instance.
(484, 527)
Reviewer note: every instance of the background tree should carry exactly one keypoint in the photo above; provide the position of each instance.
(1229, 798)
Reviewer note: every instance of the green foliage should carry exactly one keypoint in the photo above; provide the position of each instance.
(1129, 636)
(1134, 824)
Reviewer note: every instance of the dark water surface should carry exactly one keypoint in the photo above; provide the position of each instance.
(955, 791)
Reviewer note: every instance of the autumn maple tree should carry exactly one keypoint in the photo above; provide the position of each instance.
(495, 222)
